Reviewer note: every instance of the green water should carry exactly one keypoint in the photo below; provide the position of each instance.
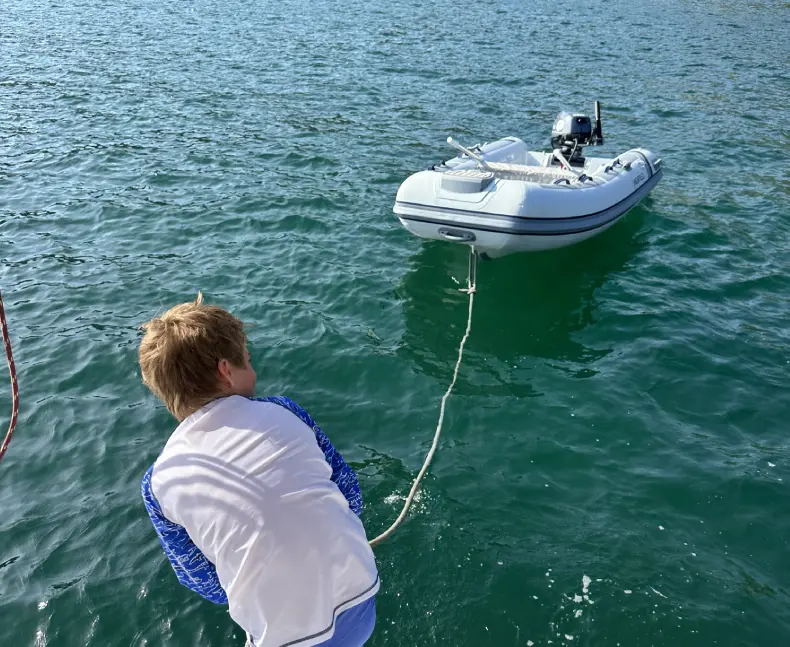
(622, 408)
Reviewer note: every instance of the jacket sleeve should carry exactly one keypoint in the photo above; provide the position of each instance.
(191, 566)
(342, 475)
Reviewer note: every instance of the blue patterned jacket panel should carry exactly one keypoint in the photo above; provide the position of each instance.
(192, 568)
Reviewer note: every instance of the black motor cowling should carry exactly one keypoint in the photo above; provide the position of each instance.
(571, 132)
(571, 129)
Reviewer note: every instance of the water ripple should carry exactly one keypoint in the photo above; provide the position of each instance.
(620, 410)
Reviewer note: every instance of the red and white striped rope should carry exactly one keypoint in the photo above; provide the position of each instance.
(14, 385)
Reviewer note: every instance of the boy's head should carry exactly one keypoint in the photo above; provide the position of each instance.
(195, 353)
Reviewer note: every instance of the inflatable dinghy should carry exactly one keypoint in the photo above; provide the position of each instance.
(502, 198)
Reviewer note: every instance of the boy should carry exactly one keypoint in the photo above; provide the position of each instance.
(253, 506)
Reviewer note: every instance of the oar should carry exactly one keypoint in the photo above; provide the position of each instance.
(475, 157)
(565, 162)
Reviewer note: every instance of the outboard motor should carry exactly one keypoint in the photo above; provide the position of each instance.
(571, 132)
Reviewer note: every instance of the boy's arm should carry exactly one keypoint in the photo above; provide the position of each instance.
(342, 475)
(191, 566)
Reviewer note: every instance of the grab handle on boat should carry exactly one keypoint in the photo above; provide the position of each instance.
(618, 162)
(457, 236)
(469, 153)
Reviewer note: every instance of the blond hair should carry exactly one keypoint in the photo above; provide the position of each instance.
(180, 352)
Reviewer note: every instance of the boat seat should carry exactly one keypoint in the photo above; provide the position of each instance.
(539, 174)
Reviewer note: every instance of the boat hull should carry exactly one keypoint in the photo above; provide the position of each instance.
(510, 216)
(496, 238)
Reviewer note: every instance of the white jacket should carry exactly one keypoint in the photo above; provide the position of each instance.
(249, 484)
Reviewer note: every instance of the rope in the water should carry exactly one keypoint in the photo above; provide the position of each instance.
(471, 288)
(14, 386)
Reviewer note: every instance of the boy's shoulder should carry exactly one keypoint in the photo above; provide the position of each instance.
(289, 404)
(233, 412)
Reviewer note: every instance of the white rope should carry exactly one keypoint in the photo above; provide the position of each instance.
(471, 288)
(471, 283)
